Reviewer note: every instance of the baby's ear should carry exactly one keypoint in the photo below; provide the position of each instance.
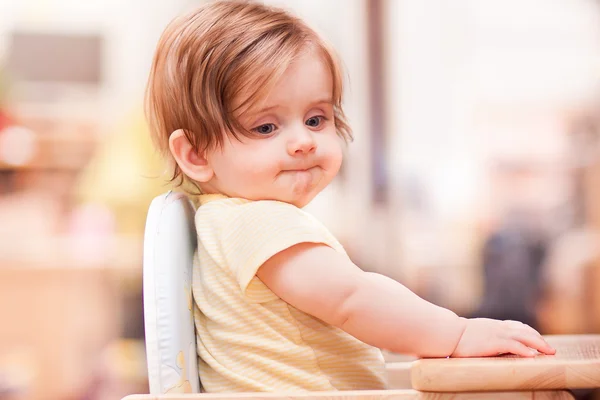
(192, 164)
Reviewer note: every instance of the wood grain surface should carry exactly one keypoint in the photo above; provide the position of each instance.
(575, 365)
(367, 395)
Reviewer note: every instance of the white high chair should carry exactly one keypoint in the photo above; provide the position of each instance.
(169, 246)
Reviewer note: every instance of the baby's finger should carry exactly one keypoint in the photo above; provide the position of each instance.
(526, 327)
(518, 348)
(534, 341)
(547, 349)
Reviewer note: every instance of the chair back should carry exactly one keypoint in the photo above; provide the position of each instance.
(169, 247)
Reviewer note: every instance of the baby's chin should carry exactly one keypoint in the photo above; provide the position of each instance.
(302, 199)
(299, 200)
(301, 203)
(297, 189)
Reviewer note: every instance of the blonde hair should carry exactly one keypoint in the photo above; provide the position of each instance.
(207, 58)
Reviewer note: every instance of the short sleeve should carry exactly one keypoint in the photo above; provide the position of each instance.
(258, 231)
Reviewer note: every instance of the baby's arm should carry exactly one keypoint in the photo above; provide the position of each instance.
(379, 311)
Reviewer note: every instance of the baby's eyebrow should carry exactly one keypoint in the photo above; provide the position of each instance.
(266, 109)
(252, 113)
(327, 100)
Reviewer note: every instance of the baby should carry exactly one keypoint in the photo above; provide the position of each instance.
(247, 101)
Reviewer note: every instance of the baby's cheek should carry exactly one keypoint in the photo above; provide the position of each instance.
(252, 168)
(334, 156)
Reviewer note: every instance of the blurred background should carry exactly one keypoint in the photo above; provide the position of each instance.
(474, 177)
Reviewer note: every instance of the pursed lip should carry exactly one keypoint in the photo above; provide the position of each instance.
(300, 169)
(297, 170)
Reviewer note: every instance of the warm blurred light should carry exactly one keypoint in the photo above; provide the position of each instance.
(17, 145)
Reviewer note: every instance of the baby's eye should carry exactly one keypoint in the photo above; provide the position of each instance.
(265, 129)
(314, 122)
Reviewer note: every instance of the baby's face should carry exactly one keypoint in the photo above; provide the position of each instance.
(296, 151)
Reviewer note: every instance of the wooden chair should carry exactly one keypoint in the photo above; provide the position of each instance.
(169, 245)
(367, 395)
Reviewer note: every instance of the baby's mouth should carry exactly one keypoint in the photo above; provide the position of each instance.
(301, 169)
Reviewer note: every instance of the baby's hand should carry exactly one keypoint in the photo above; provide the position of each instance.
(489, 337)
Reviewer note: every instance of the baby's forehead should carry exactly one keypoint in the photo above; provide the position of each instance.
(300, 85)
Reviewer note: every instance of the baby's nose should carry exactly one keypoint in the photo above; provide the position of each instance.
(302, 143)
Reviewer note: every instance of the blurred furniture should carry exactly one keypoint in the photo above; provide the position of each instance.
(63, 305)
(65, 316)
(66, 279)
(571, 301)
(16, 373)
(169, 245)
(593, 273)
(45, 152)
(17, 368)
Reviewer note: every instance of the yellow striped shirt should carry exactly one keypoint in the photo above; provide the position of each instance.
(249, 339)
